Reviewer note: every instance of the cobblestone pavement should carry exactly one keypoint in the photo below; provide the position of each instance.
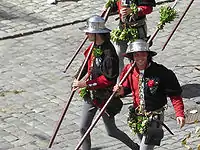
(26, 16)
(33, 88)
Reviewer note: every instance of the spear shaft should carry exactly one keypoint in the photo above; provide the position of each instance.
(70, 99)
(177, 24)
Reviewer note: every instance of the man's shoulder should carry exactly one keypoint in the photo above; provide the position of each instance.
(109, 48)
(159, 67)
(126, 67)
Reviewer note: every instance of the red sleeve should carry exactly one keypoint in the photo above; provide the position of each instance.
(90, 58)
(177, 103)
(126, 81)
(100, 82)
(87, 50)
(145, 10)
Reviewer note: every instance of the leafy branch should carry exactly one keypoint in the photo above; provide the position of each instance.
(110, 3)
(167, 14)
(125, 34)
(134, 8)
(137, 123)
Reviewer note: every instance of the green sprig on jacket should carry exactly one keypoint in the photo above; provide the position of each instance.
(97, 52)
(83, 91)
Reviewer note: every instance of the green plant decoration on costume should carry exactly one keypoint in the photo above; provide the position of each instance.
(97, 52)
(126, 32)
(110, 3)
(167, 14)
(134, 9)
(83, 92)
(137, 122)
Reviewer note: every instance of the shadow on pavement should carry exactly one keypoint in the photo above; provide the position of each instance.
(5, 15)
(165, 1)
(97, 148)
(9, 11)
(191, 90)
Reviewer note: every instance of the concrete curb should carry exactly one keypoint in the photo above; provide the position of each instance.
(39, 29)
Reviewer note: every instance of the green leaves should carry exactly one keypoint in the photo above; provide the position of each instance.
(167, 14)
(184, 142)
(197, 131)
(83, 92)
(125, 34)
(97, 52)
(110, 3)
(134, 8)
(137, 123)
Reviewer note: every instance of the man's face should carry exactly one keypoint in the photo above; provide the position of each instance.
(140, 59)
(91, 36)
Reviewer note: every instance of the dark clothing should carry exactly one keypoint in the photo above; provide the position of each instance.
(106, 64)
(150, 88)
(102, 75)
(146, 3)
(104, 67)
(168, 86)
(155, 96)
(137, 2)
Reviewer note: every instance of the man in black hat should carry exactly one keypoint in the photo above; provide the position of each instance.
(101, 74)
(150, 84)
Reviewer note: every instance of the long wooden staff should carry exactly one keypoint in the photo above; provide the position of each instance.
(104, 14)
(110, 98)
(177, 24)
(70, 98)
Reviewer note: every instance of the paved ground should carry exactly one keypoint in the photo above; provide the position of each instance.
(33, 88)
